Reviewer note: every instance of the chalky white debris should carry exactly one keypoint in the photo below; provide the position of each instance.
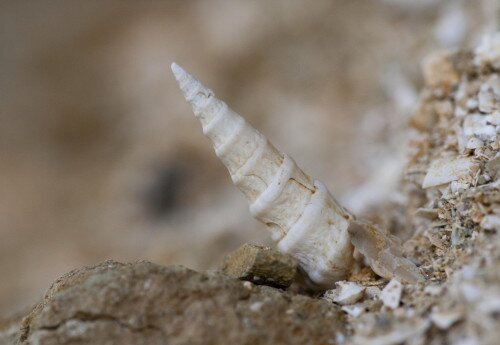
(304, 219)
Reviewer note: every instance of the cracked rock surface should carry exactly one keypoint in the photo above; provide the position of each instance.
(261, 265)
(144, 303)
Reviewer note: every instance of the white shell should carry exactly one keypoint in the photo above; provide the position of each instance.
(305, 220)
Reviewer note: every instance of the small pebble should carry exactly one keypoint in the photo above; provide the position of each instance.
(260, 265)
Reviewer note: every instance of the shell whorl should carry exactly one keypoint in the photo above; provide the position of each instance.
(303, 217)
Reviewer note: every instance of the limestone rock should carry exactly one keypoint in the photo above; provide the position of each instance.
(144, 303)
(261, 265)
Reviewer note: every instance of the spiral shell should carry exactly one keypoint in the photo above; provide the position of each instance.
(304, 219)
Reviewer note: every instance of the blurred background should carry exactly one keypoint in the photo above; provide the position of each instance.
(101, 158)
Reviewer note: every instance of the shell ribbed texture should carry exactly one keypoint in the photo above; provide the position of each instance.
(303, 217)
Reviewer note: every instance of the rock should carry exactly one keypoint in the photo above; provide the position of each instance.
(345, 293)
(260, 265)
(391, 294)
(144, 303)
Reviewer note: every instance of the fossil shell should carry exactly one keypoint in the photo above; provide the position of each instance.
(304, 219)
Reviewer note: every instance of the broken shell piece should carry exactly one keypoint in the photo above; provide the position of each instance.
(383, 253)
(303, 217)
(391, 294)
(345, 293)
(446, 170)
(354, 310)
